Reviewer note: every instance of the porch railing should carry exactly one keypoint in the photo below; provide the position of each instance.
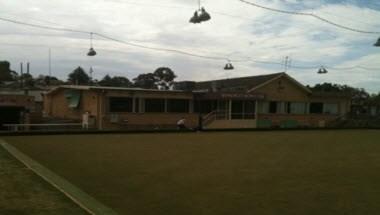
(224, 115)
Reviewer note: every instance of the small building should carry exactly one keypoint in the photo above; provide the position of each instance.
(274, 100)
(15, 109)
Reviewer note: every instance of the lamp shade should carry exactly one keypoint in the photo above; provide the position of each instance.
(91, 52)
(322, 70)
(204, 16)
(377, 44)
(195, 18)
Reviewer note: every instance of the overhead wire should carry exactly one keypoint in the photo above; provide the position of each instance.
(310, 15)
(128, 43)
(65, 29)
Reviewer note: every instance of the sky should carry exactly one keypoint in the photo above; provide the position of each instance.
(236, 31)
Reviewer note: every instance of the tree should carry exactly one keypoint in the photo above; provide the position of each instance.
(79, 77)
(146, 81)
(45, 80)
(164, 77)
(358, 95)
(116, 81)
(27, 80)
(6, 74)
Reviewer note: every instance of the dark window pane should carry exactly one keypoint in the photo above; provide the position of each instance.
(205, 106)
(120, 104)
(249, 109)
(316, 107)
(237, 110)
(154, 105)
(178, 105)
(272, 107)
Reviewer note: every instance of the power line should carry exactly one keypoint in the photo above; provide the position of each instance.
(310, 15)
(247, 59)
(129, 43)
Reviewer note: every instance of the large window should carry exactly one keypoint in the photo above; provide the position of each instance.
(154, 105)
(330, 108)
(205, 106)
(249, 109)
(316, 107)
(297, 108)
(178, 105)
(120, 104)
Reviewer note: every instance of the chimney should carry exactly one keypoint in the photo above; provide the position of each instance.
(27, 67)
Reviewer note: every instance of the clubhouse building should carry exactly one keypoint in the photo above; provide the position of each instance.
(265, 101)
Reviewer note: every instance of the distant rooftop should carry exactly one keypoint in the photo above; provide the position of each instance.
(236, 84)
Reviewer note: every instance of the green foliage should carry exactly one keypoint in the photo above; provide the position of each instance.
(116, 81)
(79, 77)
(6, 74)
(27, 80)
(358, 95)
(146, 81)
(161, 78)
(164, 77)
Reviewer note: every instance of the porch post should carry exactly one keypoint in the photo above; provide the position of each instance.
(229, 109)
(256, 112)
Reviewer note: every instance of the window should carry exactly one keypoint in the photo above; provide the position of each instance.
(297, 108)
(120, 104)
(154, 105)
(272, 107)
(178, 105)
(205, 106)
(249, 109)
(316, 107)
(330, 108)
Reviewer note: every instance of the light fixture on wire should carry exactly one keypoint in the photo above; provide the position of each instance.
(322, 70)
(228, 66)
(377, 44)
(200, 15)
(92, 51)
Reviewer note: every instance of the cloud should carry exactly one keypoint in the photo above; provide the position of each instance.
(236, 31)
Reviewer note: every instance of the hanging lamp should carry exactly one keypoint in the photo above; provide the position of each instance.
(377, 44)
(91, 51)
(228, 66)
(200, 15)
(322, 70)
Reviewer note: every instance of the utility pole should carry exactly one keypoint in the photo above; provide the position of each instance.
(21, 75)
(287, 63)
(49, 62)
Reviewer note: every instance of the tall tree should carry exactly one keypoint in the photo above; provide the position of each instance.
(146, 81)
(27, 80)
(116, 81)
(164, 77)
(43, 80)
(6, 74)
(79, 77)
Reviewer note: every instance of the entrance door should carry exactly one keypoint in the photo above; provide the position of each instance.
(9, 115)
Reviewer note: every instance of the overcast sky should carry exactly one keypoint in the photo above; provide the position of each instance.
(236, 31)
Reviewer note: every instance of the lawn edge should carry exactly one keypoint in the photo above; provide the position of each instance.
(79, 197)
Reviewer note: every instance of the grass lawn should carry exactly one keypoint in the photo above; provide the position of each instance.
(279, 172)
(23, 192)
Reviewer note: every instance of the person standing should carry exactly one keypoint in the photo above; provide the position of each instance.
(85, 117)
